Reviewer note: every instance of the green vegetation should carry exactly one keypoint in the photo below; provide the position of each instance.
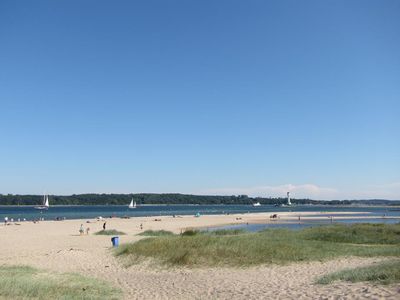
(278, 246)
(109, 232)
(21, 282)
(356, 234)
(227, 232)
(124, 199)
(190, 232)
(384, 273)
(156, 233)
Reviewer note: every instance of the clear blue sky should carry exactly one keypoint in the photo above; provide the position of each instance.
(210, 97)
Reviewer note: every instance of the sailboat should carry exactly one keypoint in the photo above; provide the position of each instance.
(45, 203)
(132, 204)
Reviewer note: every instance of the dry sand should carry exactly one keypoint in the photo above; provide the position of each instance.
(56, 245)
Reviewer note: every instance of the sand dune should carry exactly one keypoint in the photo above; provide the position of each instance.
(58, 246)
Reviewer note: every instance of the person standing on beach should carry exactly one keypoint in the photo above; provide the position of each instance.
(81, 231)
(104, 226)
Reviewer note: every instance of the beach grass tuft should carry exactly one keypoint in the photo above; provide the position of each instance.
(384, 273)
(227, 232)
(272, 246)
(22, 282)
(190, 232)
(156, 233)
(109, 232)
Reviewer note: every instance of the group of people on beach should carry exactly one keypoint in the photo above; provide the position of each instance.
(8, 221)
(82, 230)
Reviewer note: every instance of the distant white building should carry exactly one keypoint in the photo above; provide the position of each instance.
(288, 199)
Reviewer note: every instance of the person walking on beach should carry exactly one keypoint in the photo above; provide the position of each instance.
(104, 226)
(87, 230)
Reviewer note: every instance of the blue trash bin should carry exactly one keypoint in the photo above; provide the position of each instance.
(115, 241)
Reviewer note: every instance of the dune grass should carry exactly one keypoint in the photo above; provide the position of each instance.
(109, 232)
(227, 232)
(22, 282)
(156, 233)
(356, 233)
(191, 232)
(278, 246)
(384, 273)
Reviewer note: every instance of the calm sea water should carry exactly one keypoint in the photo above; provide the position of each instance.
(90, 212)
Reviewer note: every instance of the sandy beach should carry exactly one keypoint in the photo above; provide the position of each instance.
(57, 246)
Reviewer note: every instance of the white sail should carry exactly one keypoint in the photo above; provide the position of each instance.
(132, 204)
(45, 204)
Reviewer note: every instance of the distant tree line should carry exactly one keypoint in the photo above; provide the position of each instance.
(124, 199)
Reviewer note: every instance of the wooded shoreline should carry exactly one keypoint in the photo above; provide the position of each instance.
(174, 198)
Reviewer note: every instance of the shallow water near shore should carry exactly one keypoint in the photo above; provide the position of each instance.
(90, 212)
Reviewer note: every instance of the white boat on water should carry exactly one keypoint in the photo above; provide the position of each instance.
(45, 203)
(256, 204)
(132, 204)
